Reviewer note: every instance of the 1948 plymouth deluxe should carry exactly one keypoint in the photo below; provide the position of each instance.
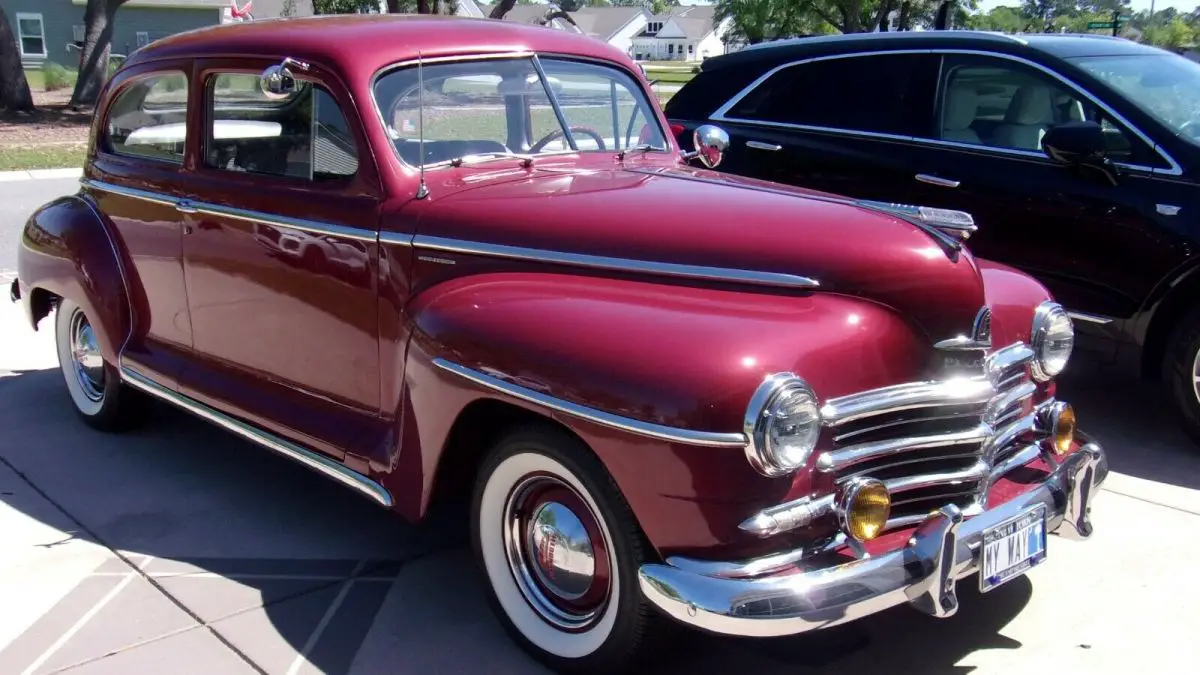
(434, 256)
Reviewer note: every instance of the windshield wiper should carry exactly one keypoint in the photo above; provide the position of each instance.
(642, 148)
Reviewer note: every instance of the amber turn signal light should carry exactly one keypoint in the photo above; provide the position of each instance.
(1062, 428)
(864, 508)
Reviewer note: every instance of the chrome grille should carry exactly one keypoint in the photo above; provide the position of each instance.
(937, 442)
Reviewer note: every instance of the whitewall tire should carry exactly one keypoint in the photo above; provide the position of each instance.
(93, 384)
(559, 549)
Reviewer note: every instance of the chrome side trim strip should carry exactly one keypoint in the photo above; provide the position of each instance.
(616, 264)
(838, 411)
(647, 429)
(1090, 318)
(312, 460)
(311, 226)
(721, 114)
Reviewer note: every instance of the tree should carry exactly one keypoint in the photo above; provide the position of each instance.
(14, 88)
(755, 21)
(97, 50)
(343, 6)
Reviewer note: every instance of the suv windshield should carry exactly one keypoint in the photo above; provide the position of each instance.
(1166, 86)
(478, 110)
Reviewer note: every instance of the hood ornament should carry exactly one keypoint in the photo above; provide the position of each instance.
(952, 227)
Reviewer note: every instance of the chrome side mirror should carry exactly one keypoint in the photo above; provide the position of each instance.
(277, 82)
(710, 143)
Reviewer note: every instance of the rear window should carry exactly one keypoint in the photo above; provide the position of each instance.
(148, 118)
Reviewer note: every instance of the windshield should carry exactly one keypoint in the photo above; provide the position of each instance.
(489, 108)
(1166, 86)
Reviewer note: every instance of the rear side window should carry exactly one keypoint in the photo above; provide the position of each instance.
(149, 118)
(305, 135)
(861, 93)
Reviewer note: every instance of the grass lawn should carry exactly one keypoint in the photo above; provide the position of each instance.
(37, 80)
(42, 157)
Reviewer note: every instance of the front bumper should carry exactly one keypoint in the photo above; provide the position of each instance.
(943, 549)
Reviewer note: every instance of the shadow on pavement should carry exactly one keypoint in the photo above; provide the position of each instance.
(257, 551)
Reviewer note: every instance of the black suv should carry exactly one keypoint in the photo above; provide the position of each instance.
(1077, 155)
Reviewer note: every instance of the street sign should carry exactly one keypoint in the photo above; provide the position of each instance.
(1099, 24)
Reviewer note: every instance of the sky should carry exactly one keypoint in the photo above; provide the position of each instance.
(1136, 5)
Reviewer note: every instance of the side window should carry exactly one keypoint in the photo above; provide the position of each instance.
(305, 135)
(1002, 104)
(149, 118)
(860, 93)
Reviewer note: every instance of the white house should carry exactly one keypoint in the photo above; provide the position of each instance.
(688, 33)
(615, 25)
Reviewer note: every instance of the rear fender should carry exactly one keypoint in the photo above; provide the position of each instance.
(69, 250)
(673, 356)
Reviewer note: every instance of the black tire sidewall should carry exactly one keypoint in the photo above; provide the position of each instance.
(1178, 376)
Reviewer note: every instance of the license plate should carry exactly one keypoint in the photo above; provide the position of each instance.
(1011, 548)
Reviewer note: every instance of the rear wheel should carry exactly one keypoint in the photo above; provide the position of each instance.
(93, 384)
(560, 550)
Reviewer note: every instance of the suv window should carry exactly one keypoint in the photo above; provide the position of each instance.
(855, 93)
(149, 118)
(999, 103)
(304, 135)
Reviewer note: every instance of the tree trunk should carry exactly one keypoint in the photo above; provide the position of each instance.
(97, 46)
(557, 14)
(14, 88)
(503, 7)
(903, 20)
(393, 7)
(885, 8)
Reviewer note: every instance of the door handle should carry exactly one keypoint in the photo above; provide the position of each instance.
(759, 145)
(934, 180)
(185, 206)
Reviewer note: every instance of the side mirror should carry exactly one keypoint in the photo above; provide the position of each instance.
(710, 143)
(1076, 143)
(277, 82)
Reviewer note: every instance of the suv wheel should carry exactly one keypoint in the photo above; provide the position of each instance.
(560, 549)
(94, 384)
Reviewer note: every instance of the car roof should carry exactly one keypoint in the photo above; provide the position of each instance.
(1059, 45)
(360, 44)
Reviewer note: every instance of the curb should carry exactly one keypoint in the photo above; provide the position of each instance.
(36, 174)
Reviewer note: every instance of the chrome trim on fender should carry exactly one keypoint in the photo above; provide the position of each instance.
(1089, 318)
(755, 277)
(648, 429)
(309, 458)
(192, 206)
(947, 545)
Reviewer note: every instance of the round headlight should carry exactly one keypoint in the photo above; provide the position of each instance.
(783, 423)
(1053, 338)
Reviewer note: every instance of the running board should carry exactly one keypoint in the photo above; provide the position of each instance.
(313, 460)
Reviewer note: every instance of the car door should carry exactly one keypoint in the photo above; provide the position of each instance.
(1093, 243)
(134, 180)
(281, 259)
(835, 123)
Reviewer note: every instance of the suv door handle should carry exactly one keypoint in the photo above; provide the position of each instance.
(185, 206)
(934, 180)
(759, 145)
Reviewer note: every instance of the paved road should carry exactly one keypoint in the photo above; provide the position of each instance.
(179, 548)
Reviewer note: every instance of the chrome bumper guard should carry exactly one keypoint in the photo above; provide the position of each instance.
(943, 549)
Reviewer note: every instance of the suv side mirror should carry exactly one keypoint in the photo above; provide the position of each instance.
(1075, 143)
(1080, 144)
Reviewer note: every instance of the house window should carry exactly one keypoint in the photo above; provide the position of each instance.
(670, 49)
(143, 38)
(691, 49)
(31, 34)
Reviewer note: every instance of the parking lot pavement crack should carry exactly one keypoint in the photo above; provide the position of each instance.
(1152, 502)
(136, 568)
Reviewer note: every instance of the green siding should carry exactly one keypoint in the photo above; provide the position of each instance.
(60, 16)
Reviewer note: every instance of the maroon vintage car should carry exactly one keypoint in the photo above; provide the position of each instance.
(431, 257)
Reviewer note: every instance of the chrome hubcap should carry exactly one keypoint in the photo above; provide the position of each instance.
(556, 552)
(1196, 376)
(85, 357)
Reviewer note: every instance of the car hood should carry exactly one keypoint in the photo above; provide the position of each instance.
(680, 215)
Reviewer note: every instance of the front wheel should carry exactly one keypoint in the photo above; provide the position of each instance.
(94, 384)
(560, 550)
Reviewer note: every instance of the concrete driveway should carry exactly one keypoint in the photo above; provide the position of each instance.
(182, 549)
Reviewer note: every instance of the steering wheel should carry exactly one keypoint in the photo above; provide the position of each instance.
(1191, 128)
(558, 133)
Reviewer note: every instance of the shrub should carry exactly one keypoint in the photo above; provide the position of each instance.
(56, 76)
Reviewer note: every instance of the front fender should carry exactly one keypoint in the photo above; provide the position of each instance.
(672, 355)
(67, 249)
(1012, 296)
